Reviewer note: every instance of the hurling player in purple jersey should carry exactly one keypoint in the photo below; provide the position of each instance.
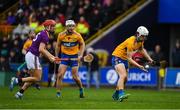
(32, 58)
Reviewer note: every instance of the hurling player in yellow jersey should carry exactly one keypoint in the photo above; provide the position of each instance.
(70, 44)
(123, 54)
(28, 42)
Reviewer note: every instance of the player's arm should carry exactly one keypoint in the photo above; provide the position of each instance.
(58, 44)
(24, 51)
(130, 52)
(25, 47)
(43, 50)
(130, 60)
(146, 55)
(81, 47)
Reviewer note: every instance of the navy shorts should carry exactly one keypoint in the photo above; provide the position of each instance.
(118, 60)
(70, 63)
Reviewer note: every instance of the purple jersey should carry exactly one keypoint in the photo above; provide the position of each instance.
(40, 37)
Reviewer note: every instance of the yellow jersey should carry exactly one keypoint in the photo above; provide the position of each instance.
(27, 44)
(70, 43)
(129, 45)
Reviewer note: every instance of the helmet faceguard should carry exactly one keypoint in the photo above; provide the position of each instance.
(70, 25)
(142, 33)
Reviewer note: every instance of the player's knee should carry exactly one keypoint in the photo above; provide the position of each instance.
(37, 79)
(124, 76)
(75, 77)
(59, 76)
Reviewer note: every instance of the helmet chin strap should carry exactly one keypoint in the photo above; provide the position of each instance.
(69, 32)
(138, 39)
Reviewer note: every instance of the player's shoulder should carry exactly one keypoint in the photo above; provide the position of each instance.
(76, 33)
(62, 34)
(28, 40)
(131, 38)
(42, 33)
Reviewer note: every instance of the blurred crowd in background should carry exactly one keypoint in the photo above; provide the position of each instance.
(89, 15)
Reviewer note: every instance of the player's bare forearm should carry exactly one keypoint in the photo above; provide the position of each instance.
(130, 60)
(82, 49)
(24, 51)
(45, 52)
(57, 49)
(146, 55)
(136, 64)
(48, 55)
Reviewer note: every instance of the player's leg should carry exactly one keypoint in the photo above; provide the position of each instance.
(96, 78)
(78, 80)
(120, 67)
(36, 84)
(49, 79)
(25, 73)
(61, 71)
(31, 78)
(35, 70)
(27, 79)
(35, 73)
(121, 70)
(88, 79)
(20, 93)
(125, 81)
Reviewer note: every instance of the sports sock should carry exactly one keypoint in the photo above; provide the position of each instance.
(117, 92)
(121, 92)
(19, 80)
(58, 92)
(21, 91)
(81, 90)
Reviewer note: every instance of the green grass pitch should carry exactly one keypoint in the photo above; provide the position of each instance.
(101, 98)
